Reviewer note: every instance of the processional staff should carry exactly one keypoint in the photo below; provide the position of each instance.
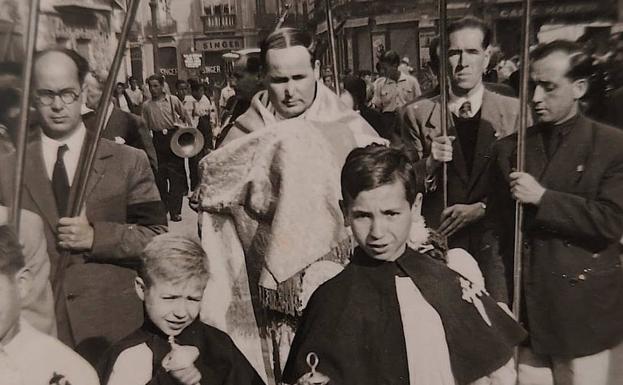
(22, 130)
(331, 36)
(443, 88)
(521, 153)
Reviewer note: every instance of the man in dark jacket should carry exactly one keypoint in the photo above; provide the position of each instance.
(572, 193)
(479, 117)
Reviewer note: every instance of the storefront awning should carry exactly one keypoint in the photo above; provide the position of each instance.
(83, 5)
(350, 23)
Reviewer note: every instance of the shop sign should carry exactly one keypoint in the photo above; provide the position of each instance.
(225, 44)
(214, 69)
(168, 71)
(552, 10)
(192, 60)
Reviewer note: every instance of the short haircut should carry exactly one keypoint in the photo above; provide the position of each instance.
(373, 166)
(472, 22)
(356, 87)
(580, 64)
(390, 57)
(81, 63)
(122, 84)
(363, 73)
(173, 258)
(195, 85)
(11, 256)
(284, 38)
(158, 78)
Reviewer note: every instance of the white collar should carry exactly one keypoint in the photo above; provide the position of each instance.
(474, 97)
(74, 143)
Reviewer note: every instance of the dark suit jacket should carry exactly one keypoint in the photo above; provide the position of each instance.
(94, 293)
(572, 281)
(130, 128)
(422, 123)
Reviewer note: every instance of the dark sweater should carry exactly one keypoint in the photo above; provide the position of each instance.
(467, 134)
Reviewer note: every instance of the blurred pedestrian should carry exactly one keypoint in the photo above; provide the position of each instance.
(164, 114)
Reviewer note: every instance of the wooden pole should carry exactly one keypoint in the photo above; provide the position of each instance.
(100, 117)
(22, 131)
(521, 153)
(153, 4)
(443, 87)
(331, 36)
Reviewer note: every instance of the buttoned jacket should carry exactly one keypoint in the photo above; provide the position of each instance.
(572, 280)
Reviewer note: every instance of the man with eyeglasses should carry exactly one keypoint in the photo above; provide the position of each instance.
(91, 253)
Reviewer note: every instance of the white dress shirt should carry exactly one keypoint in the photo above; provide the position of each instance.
(74, 145)
(474, 97)
(32, 357)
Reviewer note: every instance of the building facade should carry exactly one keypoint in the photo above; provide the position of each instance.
(193, 35)
(407, 26)
(88, 26)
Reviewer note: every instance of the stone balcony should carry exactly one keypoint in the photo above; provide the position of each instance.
(216, 23)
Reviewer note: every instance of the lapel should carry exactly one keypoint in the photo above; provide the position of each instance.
(38, 184)
(104, 151)
(569, 161)
(491, 116)
(458, 160)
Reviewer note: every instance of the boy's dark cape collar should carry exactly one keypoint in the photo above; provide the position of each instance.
(476, 349)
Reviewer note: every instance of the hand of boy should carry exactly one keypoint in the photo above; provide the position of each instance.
(180, 363)
(187, 376)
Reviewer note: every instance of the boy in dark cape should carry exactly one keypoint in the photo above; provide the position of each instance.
(173, 346)
(355, 322)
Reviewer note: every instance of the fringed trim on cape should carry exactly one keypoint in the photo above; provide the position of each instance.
(287, 298)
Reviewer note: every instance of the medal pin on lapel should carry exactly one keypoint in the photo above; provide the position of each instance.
(472, 294)
(579, 168)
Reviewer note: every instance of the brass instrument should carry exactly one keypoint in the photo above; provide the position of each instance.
(187, 142)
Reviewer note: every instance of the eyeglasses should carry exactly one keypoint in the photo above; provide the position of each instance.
(47, 97)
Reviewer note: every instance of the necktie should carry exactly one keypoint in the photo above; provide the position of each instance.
(465, 110)
(60, 181)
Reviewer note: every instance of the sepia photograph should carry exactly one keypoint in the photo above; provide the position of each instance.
(311, 192)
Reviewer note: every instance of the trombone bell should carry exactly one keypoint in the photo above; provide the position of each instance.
(187, 142)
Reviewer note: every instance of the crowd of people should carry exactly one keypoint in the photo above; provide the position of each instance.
(342, 239)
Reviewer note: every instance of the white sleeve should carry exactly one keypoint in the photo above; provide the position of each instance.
(132, 367)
